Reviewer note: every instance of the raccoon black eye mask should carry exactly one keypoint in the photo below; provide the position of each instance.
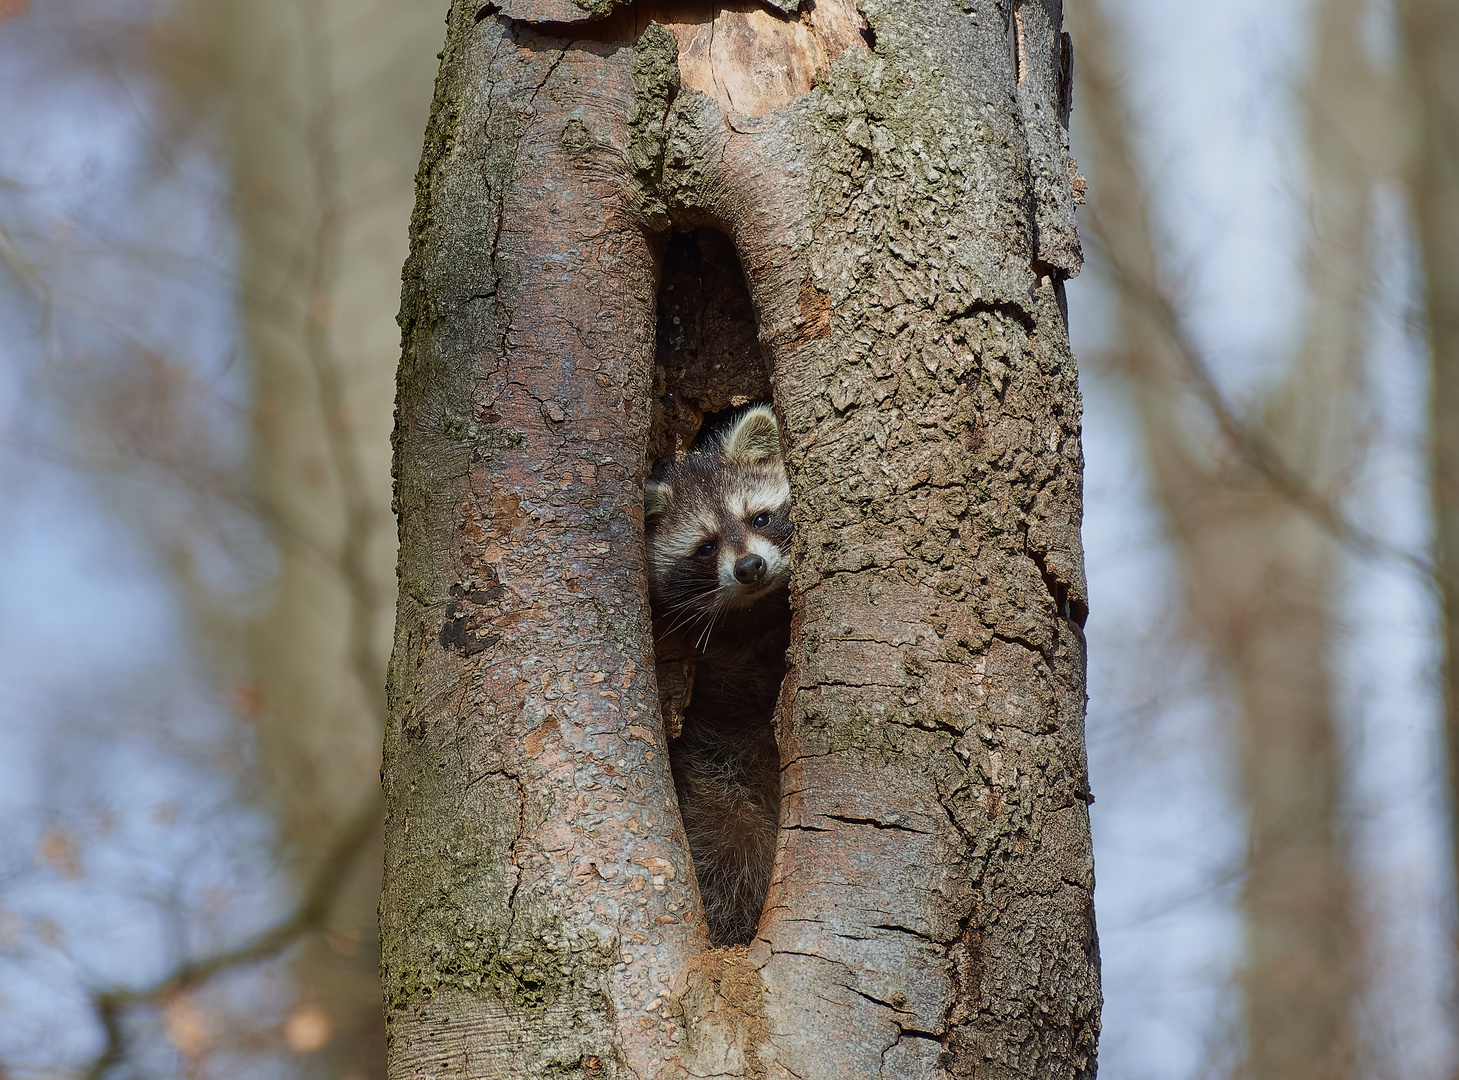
(717, 527)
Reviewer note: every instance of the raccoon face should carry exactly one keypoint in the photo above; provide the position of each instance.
(718, 524)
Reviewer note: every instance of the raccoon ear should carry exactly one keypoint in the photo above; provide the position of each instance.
(657, 497)
(755, 436)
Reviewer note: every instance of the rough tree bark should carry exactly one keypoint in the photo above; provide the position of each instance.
(895, 184)
(1251, 509)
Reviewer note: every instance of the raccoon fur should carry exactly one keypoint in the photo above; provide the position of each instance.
(718, 537)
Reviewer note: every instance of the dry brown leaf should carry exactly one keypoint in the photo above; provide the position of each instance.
(49, 931)
(307, 1029)
(57, 847)
(186, 1025)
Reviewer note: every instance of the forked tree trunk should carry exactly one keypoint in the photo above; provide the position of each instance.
(895, 185)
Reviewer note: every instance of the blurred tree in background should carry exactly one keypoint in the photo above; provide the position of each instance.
(324, 108)
(203, 209)
(1252, 501)
(1430, 31)
(311, 114)
(1256, 488)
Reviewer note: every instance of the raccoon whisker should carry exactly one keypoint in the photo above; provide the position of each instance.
(689, 599)
(685, 594)
(679, 601)
(685, 622)
(704, 638)
(713, 601)
(688, 612)
(694, 606)
(670, 631)
(689, 604)
(704, 633)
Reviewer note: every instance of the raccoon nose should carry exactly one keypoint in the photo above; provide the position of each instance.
(749, 570)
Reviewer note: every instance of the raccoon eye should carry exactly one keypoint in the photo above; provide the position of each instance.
(761, 520)
(705, 550)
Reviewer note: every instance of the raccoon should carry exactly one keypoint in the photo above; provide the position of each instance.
(718, 537)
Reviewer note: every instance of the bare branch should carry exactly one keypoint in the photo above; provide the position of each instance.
(1250, 443)
(329, 879)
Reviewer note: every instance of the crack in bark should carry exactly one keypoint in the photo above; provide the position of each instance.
(876, 1000)
(880, 825)
(913, 933)
(1065, 604)
(1023, 643)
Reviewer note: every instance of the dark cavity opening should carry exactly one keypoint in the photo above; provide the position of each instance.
(720, 633)
(707, 354)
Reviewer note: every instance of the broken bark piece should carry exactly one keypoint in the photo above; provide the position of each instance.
(676, 691)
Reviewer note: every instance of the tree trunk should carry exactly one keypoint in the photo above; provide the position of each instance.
(326, 100)
(1254, 526)
(895, 186)
(1431, 30)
